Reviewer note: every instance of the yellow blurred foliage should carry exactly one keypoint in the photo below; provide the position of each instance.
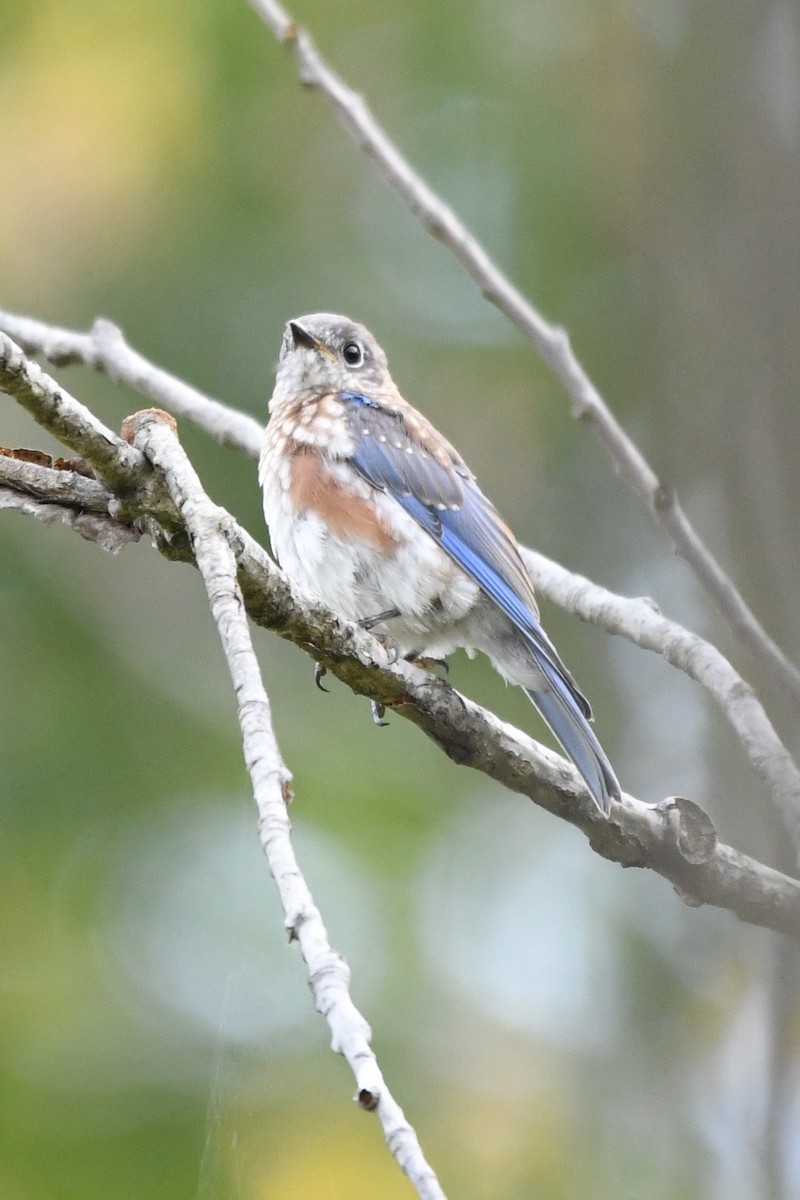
(345, 1160)
(95, 112)
(502, 1142)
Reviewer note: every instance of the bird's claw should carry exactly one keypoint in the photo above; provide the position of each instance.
(390, 646)
(320, 671)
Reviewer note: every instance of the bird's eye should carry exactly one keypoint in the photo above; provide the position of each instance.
(352, 354)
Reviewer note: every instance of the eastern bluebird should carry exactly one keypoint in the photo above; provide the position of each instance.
(372, 511)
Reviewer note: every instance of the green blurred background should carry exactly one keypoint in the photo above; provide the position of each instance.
(553, 1026)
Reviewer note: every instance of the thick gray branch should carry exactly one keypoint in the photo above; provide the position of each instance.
(551, 343)
(677, 839)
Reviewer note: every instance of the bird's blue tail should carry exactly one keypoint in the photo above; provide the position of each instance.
(571, 727)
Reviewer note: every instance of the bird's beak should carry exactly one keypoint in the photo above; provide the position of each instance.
(304, 340)
(301, 338)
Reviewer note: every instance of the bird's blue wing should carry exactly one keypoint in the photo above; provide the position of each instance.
(426, 477)
(434, 487)
(392, 458)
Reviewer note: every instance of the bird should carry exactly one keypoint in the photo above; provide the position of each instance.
(371, 511)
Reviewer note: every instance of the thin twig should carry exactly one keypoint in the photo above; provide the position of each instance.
(551, 342)
(328, 973)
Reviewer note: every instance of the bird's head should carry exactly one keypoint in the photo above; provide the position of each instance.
(324, 352)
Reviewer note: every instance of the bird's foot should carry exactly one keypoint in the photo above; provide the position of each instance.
(386, 640)
(390, 646)
(320, 671)
(378, 713)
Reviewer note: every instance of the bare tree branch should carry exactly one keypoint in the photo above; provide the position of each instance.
(676, 838)
(109, 534)
(63, 496)
(636, 619)
(65, 417)
(328, 973)
(55, 486)
(551, 342)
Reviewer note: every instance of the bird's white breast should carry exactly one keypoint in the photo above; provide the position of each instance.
(356, 576)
